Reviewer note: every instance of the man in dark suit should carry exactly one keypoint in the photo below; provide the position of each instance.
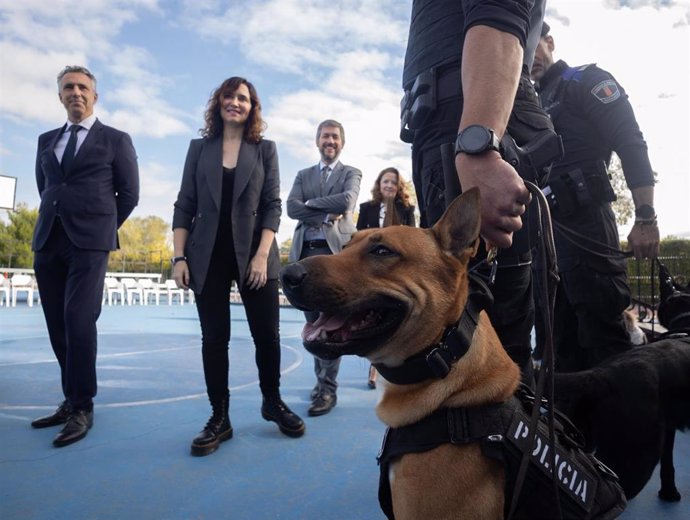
(88, 179)
(322, 199)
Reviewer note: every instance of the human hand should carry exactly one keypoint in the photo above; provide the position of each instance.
(332, 217)
(504, 197)
(643, 240)
(257, 274)
(180, 274)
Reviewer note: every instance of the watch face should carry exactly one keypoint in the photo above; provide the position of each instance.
(475, 139)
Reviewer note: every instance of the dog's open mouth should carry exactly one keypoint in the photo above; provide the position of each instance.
(354, 331)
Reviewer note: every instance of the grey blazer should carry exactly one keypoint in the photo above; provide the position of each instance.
(255, 205)
(339, 197)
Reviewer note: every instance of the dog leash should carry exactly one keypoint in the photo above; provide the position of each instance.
(549, 278)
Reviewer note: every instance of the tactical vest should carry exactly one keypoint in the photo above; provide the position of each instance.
(587, 489)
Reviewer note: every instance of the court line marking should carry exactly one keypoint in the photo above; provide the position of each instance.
(290, 368)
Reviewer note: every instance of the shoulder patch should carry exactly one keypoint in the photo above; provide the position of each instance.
(606, 91)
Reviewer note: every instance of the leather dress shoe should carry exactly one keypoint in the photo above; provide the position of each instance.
(323, 404)
(78, 425)
(289, 423)
(59, 416)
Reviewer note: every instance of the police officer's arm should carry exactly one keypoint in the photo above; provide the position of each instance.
(491, 63)
(643, 238)
(607, 105)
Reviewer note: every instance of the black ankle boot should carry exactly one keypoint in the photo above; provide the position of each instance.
(289, 423)
(217, 430)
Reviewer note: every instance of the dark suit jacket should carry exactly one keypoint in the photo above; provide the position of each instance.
(98, 194)
(255, 205)
(369, 214)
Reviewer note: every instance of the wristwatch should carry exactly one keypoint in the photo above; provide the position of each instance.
(176, 259)
(645, 212)
(475, 140)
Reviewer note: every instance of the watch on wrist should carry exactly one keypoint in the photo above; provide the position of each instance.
(176, 259)
(475, 140)
(645, 212)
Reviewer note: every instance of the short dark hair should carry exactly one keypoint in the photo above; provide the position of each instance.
(330, 122)
(545, 28)
(76, 68)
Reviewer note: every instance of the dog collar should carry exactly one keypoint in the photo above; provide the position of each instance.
(435, 361)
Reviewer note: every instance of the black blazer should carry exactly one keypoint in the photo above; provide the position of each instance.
(255, 205)
(369, 214)
(98, 194)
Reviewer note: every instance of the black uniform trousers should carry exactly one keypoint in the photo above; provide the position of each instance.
(512, 313)
(70, 282)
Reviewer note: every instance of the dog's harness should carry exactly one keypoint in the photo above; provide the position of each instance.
(586, 488)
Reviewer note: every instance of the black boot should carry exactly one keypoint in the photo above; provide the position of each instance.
(217, 430)
(289, 423)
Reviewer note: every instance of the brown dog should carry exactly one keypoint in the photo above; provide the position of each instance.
(387, 296)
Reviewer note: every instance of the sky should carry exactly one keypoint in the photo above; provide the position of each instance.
(157, 61)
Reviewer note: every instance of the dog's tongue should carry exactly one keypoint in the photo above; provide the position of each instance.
(325, 323)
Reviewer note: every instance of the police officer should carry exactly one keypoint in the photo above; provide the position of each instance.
(466, 65)
(592, 113)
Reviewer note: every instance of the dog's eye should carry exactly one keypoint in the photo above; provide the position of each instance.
(381, 250)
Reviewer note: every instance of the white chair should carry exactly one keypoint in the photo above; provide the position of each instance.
(22, 283)
(173, 291)
(114, 288)
(149, 288)
(191, 296)
(4, 291)
(235, 295)
(132, 290)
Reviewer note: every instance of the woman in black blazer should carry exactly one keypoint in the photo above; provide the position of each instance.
(226, 216)
(389, 191)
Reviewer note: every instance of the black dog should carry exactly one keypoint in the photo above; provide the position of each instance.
(630, 406)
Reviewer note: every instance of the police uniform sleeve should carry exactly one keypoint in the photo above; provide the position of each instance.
(508, 16)
(606, 105)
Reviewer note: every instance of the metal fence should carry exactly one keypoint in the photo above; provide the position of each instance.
(643, 277)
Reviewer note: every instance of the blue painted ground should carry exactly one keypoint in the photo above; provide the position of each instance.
(135, 462)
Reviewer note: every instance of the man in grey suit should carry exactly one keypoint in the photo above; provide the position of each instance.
(323, 199)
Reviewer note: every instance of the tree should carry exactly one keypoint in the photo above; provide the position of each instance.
(623, 206)
(145, 246)
(15, 237)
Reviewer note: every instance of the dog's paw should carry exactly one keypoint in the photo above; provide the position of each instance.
(669, 495)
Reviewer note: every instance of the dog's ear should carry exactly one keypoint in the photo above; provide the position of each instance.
(458, 229)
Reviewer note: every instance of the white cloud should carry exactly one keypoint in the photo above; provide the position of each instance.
(83, 36)
(297, 36)
(655, 72)
(158, 191)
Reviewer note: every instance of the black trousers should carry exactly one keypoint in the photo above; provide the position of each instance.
(70, 282)
(263, 315)
(512, 313)
(588, 318)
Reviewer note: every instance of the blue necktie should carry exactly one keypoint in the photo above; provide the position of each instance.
(70, 149)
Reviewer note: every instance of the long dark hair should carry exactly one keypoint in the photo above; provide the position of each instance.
(254, 126)
(402, 195)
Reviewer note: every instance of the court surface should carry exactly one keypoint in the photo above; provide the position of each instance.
(135, 462)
